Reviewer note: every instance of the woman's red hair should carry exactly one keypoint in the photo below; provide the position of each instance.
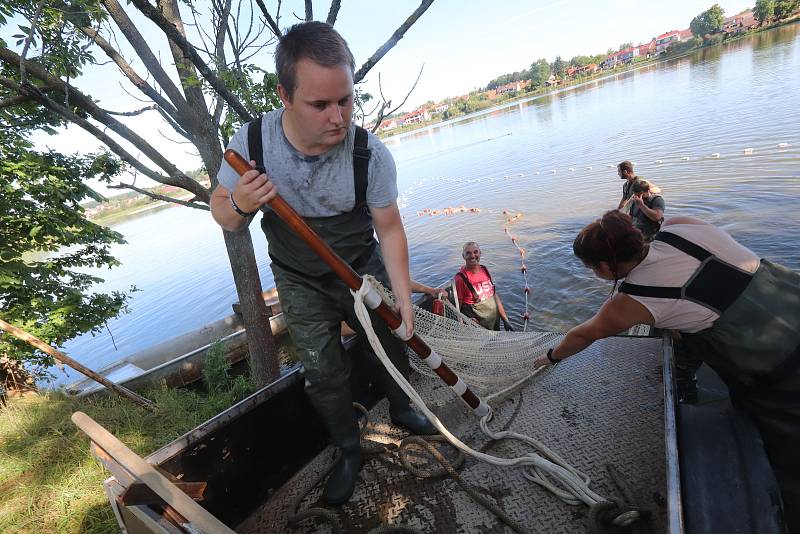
(612, 239)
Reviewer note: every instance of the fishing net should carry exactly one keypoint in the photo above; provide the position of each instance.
(488, 361)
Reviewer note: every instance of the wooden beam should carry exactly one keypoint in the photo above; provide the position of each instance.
(63, 358)
(148, 474)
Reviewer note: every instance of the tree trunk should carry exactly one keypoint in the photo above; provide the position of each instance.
(264, 365)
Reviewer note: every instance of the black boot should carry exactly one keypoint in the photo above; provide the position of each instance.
(413, 421)
(342, 481)
(403, 415)
(336, 411)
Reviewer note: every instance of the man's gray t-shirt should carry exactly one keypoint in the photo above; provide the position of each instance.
(316, 186)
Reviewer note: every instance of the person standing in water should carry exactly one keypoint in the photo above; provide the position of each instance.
(477, 297)
(625, 172)
(647, 208)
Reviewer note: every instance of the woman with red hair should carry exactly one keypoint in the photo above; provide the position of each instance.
(736, 312)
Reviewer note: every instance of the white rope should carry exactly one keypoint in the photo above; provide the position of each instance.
(542, 465)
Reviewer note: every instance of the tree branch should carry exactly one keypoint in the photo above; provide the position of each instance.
(309, 10)
(13, 101)
(150, 61)
(219, 51)
(180, 180)
(393, 40)
(22, 74)
(175, 36)
(131, 74)
(387, 103)
(78, 98)
(21, 99)
(270, 21)
(133, 113)
(333, 12)
(187, 75)
(188, 203)
(175, 125)
(419, 74)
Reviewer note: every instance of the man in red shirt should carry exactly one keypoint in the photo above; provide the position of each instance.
(476, 295)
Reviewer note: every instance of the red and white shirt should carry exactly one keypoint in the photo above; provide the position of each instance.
(481, 283)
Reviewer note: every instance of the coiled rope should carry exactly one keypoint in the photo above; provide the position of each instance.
(398, 455)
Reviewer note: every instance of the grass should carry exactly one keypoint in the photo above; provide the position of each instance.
(50, 482)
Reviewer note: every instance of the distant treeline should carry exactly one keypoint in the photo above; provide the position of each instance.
(540, 70)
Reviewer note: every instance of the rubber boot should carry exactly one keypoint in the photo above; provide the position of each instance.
(403, 415)
(342, 481)
(340, 420)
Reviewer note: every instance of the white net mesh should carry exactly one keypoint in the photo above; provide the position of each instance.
(486, 360)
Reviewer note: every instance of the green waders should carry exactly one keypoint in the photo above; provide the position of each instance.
(314, 302)
(484, 311)
(755, 348)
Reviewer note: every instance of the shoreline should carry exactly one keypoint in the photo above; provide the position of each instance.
(576, 83)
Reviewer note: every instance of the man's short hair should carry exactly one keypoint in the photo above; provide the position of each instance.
(640, 186)
(314, 40)
(625, 166)
(468, 243)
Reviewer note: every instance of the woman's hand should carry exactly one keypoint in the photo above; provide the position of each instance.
(541, 361)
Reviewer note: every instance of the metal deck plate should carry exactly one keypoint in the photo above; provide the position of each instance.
(602, 407)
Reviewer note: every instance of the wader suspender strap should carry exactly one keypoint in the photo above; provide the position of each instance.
(361, 155)
(469, 284)
(255, 147)
(715, 284)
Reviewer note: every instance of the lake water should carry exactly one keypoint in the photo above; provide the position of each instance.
(552, 159)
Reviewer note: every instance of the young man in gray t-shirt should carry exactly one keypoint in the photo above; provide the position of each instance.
(308, 157)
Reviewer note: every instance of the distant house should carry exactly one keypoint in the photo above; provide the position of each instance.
(627, 55)
(611, 61)
(739, 23)
(418, 115)
(388, 124)
(552, 80)
(665, 39)
(685, 35)
(441, 108)
(512, 87)
(591, 68)
(572, 71)
(647, 50)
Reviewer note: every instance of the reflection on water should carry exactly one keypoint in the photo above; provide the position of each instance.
(550, 158)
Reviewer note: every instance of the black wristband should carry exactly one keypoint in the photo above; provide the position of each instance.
(550, 356)
(237, 209)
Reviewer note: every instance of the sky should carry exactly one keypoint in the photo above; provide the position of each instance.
(462, 44)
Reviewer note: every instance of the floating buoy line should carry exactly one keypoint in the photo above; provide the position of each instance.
(512, 218)
(764, 150)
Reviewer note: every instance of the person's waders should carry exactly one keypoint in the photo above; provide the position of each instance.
(314, 301)
(754, 346)
(484, 311)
